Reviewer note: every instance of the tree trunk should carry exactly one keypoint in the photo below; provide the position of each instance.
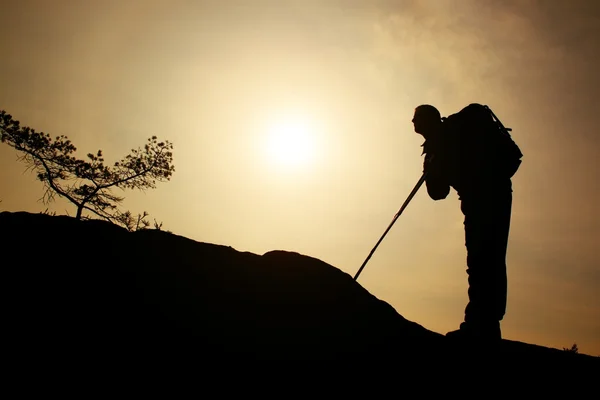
(79, 212)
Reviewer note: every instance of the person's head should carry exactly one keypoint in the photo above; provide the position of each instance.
(427, 120)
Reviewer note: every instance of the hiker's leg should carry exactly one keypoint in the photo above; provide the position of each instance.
(501, 228)
(487, 223)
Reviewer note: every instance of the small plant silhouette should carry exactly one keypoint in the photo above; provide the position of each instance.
(137, 223)
(88, 184)
(572, 349)
(48, 212)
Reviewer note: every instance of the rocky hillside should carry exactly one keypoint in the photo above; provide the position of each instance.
(89, 288)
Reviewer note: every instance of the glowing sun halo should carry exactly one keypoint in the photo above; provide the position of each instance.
(291, 142)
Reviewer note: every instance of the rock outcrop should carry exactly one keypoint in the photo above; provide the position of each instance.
(83, 288)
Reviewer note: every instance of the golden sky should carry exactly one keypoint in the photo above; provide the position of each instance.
(220, 78)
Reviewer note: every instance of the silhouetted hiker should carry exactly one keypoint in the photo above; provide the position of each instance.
(456, 156)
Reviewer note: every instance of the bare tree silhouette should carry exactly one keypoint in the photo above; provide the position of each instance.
(88, 184)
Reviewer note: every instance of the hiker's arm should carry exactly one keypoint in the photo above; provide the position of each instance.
(436, 180)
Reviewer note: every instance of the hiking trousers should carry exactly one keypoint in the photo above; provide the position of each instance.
(487, 213)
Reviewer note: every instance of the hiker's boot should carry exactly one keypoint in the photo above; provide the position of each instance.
(477, 332)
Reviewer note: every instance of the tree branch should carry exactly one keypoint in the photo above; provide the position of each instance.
(50, 180)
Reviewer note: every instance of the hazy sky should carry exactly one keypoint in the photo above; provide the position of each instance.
(220, 78)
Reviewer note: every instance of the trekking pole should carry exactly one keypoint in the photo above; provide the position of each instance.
(410, 196)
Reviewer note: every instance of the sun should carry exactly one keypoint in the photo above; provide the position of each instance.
(291, 141)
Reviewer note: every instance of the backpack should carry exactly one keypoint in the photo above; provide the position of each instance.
(486, 139)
